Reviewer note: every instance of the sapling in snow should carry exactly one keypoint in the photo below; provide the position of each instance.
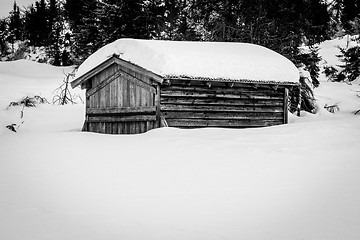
(25, 102)
(357, 111)
(63, 95)
(332, 108)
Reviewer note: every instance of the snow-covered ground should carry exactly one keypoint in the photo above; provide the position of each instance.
(294, 181)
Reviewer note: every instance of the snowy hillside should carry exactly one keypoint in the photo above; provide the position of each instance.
(294, 181)
(329, 50)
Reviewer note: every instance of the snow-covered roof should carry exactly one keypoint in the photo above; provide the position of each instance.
(212, 60)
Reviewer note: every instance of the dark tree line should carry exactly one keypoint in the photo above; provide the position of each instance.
(73, 29)
(41, 24)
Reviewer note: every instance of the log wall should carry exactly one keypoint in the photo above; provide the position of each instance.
(121, 101)
(192, 104)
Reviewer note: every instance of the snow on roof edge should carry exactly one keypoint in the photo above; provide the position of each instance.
(273, 82)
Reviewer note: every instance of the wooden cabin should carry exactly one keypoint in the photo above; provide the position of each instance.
(133, 86)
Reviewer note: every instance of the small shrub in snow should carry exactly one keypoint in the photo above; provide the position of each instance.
(13, 127)
(358, 111)
(29, 101)
(25, 102)
(331, 73)
(332, 108)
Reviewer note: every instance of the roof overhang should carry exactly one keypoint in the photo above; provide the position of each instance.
(115, 60)
(226, 80)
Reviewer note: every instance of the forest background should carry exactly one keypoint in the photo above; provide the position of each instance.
(68, 31)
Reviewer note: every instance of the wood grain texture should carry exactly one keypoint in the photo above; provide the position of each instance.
(199, 104)
(122, 101)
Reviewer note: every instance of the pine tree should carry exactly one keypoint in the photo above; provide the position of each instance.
(15, 23)
(84, 20)
(154, 17)
(121, 19)
(351, 59)
(3, 37)
(55, 24)
(36, 26)
(349, 12)
(318, 19)
(311, 61)
(30, 25)
(43, 30)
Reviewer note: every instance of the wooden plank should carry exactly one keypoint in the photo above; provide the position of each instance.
(132, 127)
(137, 96)
(220, 83)
(114, 93)
(103, 83)
(125, 94)
(221, 123)
(108, 128)
(120, 128)
(102, 95)
(142, 127)
(102, 127)
(123, 110)
(136, 127)
(143, 94)
(96, 127)
(261, 91)
(221, 102)
(140, 70)
(120, 93)
(221, 108)
(97, 99)
(218, 95)
(137, 78)
(127, 128)
(90, 103)
(95, 80)
(138, 82)
(286, 109)
(148, 126)
(149, 99)
(107, 91)
(158, 106)
(87, 102)
(137, 118)
(132, 92)
(92, 72)
(114, 129)
(91, 127)
(222, 115)
(106, 74)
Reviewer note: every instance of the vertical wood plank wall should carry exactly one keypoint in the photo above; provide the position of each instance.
(216, 104)
(125, 105)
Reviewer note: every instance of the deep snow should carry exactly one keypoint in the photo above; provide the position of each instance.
(294, 181)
